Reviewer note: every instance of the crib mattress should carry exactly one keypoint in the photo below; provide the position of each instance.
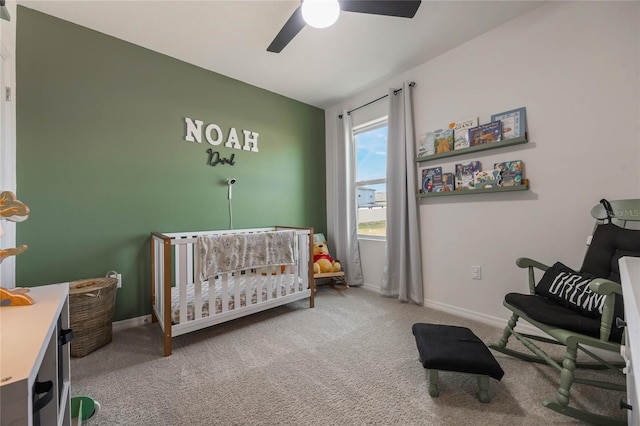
(255, 282)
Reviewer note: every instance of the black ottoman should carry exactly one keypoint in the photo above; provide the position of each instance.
(451, 348)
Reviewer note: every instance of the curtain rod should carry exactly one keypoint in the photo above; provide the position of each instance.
(395, 92)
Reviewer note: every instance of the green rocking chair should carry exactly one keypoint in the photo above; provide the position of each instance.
(578, 308)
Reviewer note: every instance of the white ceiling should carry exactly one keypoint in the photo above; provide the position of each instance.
(320, 67)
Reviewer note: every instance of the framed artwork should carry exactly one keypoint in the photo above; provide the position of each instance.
(514, 123)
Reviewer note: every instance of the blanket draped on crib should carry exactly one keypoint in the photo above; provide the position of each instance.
(232, 252)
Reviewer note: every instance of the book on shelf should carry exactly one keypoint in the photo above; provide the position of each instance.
(432, 179)
(511, 172)
(485, 133)
(486, 179)
(443, 140)
(448, 182)
(464, 174)
(514, 122)
(425, 144)
(461, 132)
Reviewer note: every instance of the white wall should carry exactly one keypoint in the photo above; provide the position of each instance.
(7, 135)
(8, 28)
(575, 66)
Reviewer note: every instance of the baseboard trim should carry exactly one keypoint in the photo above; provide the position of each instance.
(371, 287)
(465, 313)
(131, 322)
(468, 314)
(480, 317)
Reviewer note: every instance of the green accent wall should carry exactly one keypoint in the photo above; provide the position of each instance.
(102, 159)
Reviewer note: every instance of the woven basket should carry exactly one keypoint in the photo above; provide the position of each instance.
(91, 305)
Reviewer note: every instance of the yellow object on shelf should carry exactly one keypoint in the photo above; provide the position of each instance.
(15, 297)
(4, 253)
(13, 210)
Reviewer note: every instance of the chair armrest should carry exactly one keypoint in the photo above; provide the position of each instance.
(525, 262)
(609, 289)
(604, 286)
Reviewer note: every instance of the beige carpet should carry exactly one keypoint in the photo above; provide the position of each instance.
(352, 360)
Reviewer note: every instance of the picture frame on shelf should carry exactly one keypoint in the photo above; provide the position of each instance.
(514, 123)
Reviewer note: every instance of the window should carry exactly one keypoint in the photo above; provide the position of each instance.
(371, 177)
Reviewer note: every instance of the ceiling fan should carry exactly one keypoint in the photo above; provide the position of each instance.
(398, 8)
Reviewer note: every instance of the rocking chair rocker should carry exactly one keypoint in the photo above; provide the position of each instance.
(578, 309)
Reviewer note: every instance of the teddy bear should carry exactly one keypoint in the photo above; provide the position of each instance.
(322, 261)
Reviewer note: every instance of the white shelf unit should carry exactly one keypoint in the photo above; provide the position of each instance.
(31, 350)
(630, 276)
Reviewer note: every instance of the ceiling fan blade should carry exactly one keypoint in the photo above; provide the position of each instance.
(290, 29)
(399, 8)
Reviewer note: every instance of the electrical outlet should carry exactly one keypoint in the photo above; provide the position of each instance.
(119, 277)
(476, 272)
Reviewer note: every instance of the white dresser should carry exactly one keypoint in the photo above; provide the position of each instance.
(630, 277)
(34, 349)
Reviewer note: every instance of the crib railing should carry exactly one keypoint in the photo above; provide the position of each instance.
(175, 264)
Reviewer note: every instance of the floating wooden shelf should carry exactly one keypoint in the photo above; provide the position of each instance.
(477, 148)
(523, 187)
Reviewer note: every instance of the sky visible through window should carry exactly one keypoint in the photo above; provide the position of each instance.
(371, 154)
(371, 157)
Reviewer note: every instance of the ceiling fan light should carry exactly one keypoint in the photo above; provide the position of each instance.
(320, 13)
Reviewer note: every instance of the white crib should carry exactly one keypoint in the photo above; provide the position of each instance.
(182, 302)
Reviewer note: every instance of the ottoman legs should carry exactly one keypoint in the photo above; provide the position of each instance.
(433, 383)
(483, 386)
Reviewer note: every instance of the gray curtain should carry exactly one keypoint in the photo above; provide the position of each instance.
(402, 276)
(347, 249)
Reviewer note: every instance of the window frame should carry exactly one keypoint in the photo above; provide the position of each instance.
(362, 128)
